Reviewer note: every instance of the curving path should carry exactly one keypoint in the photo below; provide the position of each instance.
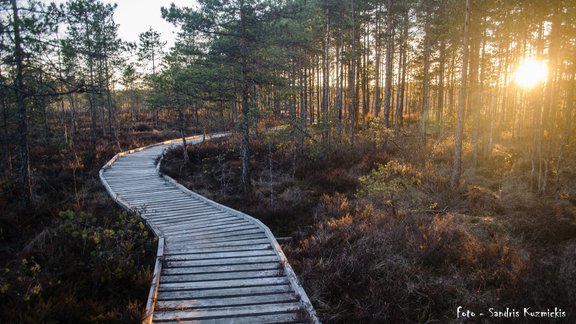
(214, 264)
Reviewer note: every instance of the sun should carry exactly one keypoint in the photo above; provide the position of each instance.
(530, 73)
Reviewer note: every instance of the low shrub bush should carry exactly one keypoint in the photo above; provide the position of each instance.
(80, 270)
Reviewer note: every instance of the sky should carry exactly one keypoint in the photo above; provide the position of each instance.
(137, 16)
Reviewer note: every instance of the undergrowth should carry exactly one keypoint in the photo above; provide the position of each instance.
(380, 236)
(71, 258)
(85, 268)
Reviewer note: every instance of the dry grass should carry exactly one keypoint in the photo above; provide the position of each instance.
(493, 243)
(373, 267)
(400, 245)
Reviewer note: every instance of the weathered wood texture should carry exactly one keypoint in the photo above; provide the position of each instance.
(214, 264)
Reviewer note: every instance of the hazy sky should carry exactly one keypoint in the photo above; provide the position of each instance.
(136, 16)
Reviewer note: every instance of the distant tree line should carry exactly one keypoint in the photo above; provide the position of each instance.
(336, 68)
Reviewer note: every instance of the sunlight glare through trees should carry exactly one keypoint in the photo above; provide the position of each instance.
(530, 73)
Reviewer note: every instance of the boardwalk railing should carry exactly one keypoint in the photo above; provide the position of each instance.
(214, 263)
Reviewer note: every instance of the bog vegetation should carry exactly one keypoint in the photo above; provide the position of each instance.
(379, 235)
(424, 156)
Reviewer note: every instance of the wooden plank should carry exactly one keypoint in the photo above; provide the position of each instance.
(201, 221)
(207, 226)
(139, 155)
(235, 235)
(290, 317)
(244, 241)
(161, 208)
(135, 161)
(223, 292)
(193, 249)
(167, 197)
(138, 186)
(161, 218)
(146, 190)
(220, 276)
(223, 237)
(156, 203)
(132, 183)
(123, 177)
(198, 222)
(161, 205)
(167, 213)
(123, 174)
(132, 166)
(215, 284)
(224, 312)
(222, 269)
(181, 207)
(143, 193)
(134, 158)
(222, 262)
(219, 237)
(232, 234)
(235, 239)
(218, 255)
(226, 301)
(222, 227)
(148, 156)
(147, 187)
(125, 168)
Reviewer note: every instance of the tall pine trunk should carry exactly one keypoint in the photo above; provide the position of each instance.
(457, 165)
(352, 76)
(24, 169)
(426, 77)
(440, 96)
(389, 58)
(377, 100)
(339, 78)
(402, 67)
(326, 84)
(245, 150)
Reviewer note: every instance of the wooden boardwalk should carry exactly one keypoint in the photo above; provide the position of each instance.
(214, 264)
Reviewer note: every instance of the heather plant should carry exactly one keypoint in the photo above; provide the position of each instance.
(81, 254)
(367, 266)
(386, 181)
(376, 133)
(380, 236)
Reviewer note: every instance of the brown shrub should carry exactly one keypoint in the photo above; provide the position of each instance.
(408, 261)
(445, 242)
(567, 268)
(335, 206)
(544, 223)
(333, 180)
(376, 268)
(143, 128)
(68, 287)
(481, 201)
